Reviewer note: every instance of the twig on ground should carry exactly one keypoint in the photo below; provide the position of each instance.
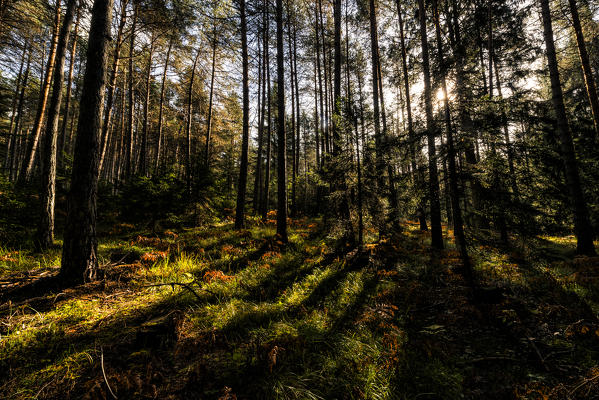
(185, 286)
(104, 373)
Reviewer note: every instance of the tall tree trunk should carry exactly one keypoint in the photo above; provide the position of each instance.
(375, 95)
(266, 192)
(458, 225)
(582, 225)
(431, 129)
(161, 107)
(143, 167)
(189, 122)
(243, 170)
(112, 83)
(293, 116)
(14, 159)
(33, 144)
(210, 101)
(417, 177)
(281, 140)
(589, 80)
(321, 103)
(130, 98)
(67, 104)
(261, 110)
(10, 139)
(45, 232)
(506, 136)
(79, 254)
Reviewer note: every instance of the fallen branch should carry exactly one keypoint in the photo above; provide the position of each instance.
(183, 285)
(104, 373)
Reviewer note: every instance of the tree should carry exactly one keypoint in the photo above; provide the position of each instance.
(48, 189)
(243, 168)
(431, 131)
(79, 254)
(582, 225)
(281, 138)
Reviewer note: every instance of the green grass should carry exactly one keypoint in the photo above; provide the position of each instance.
(302, 321)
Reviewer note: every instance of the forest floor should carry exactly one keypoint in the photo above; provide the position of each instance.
(214, 313)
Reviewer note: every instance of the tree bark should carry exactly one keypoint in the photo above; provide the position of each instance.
(281, 139)
(188, 125)
(79, 255)
(458, 225)
(589, 80)
(33, 144)
(112, 83)
(210, 100)
(582, 225)
(67, 104)
(161, 108)
(431, 128)
(130, 99)
(45, 232)
(243, 171)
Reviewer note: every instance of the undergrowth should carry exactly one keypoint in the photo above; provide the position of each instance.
(212, 312)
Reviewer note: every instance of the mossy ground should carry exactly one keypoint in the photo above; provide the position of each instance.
(250, 318)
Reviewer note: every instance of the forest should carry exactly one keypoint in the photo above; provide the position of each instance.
(299, 199)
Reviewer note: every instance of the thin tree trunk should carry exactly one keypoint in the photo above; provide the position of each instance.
(582, 225)
(143, 156)
(130, 98)
(45, 232)
(431, 128)
(417, 177)
(33, 144)
(210, 100)
(243, 171)
(458, 225)
(14, 158)
(262, 110)
(112, 83)
(266, 193)
(10, 139)
(161, 108)
(189, 122)
(281, 140)
(67, 104)
(589, 80)
(79, 255)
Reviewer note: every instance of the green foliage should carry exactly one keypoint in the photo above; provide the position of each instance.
(18, 213)
(147, 201)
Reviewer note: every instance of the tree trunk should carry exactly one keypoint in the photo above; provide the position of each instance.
(243, 170)
(210, 100)
(67, 105)
(33, 144)
(261, 110)
(586, 66)
(266, 192)
(79, 255)
(14, 159)
(161, 108)
(130, 98)
(582, 225)
(143, 156)
(188, 126)
(10, 139)
(458, 225)
(45, 232)
(112, 84)
(281, 140)
(431, 128)
(417, 177)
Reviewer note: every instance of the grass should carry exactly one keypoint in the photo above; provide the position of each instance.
(250, 318)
